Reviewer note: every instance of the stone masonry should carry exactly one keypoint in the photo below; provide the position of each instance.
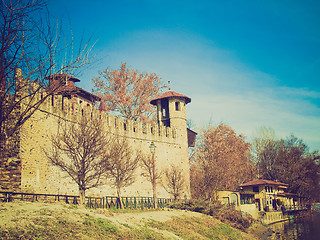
(32, 171)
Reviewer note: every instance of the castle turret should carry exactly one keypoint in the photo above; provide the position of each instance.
(171, 111)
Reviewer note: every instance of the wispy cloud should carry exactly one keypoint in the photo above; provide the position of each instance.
(222, 87)
(248, 112)
(300, 92)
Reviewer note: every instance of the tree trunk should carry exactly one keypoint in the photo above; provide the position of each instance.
(119, 197)
(154, 195)
(2, 146)
(154, 192)
(82, 194)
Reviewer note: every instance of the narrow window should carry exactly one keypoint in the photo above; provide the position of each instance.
(177, 106)
(163, 112)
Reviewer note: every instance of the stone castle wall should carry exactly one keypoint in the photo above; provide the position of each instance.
(39, 176)
(10, 163)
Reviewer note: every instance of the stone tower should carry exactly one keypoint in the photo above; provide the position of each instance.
(171, 110)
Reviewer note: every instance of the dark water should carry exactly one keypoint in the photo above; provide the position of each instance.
(304, 228)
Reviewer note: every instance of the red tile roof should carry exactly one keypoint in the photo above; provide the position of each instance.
(263, 182)
(64, 84)
(69, 89)
(170, 94)
(62, 76)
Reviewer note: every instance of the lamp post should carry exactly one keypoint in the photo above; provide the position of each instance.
(152, 150)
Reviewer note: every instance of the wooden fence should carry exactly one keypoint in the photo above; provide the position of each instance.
(91, 202)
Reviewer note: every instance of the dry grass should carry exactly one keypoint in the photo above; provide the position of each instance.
(25, 220)
(198, 228)
(226, 214)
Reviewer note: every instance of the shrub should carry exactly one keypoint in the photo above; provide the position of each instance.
(224, 213)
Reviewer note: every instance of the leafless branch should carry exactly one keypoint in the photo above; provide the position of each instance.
(30, 41)
(81, 150)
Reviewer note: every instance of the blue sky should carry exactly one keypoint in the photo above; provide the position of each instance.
(245, 63)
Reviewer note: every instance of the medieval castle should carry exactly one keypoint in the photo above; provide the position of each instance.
(32, 172)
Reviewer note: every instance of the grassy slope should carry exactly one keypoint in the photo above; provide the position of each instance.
(24, 220)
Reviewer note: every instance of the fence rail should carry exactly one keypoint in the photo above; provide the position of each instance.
(288, 209)
(91, 202)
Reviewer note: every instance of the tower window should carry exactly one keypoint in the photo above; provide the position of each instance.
(164, 112)
(177, 106)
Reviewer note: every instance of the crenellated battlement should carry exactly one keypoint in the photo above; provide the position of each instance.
(71, 109)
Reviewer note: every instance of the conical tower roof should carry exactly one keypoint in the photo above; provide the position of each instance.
(170, 94)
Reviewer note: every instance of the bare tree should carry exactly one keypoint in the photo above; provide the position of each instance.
(175, 182)
(150, 172)
(80, 150)
(266, 149)
(31, 42)
(121, 164)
